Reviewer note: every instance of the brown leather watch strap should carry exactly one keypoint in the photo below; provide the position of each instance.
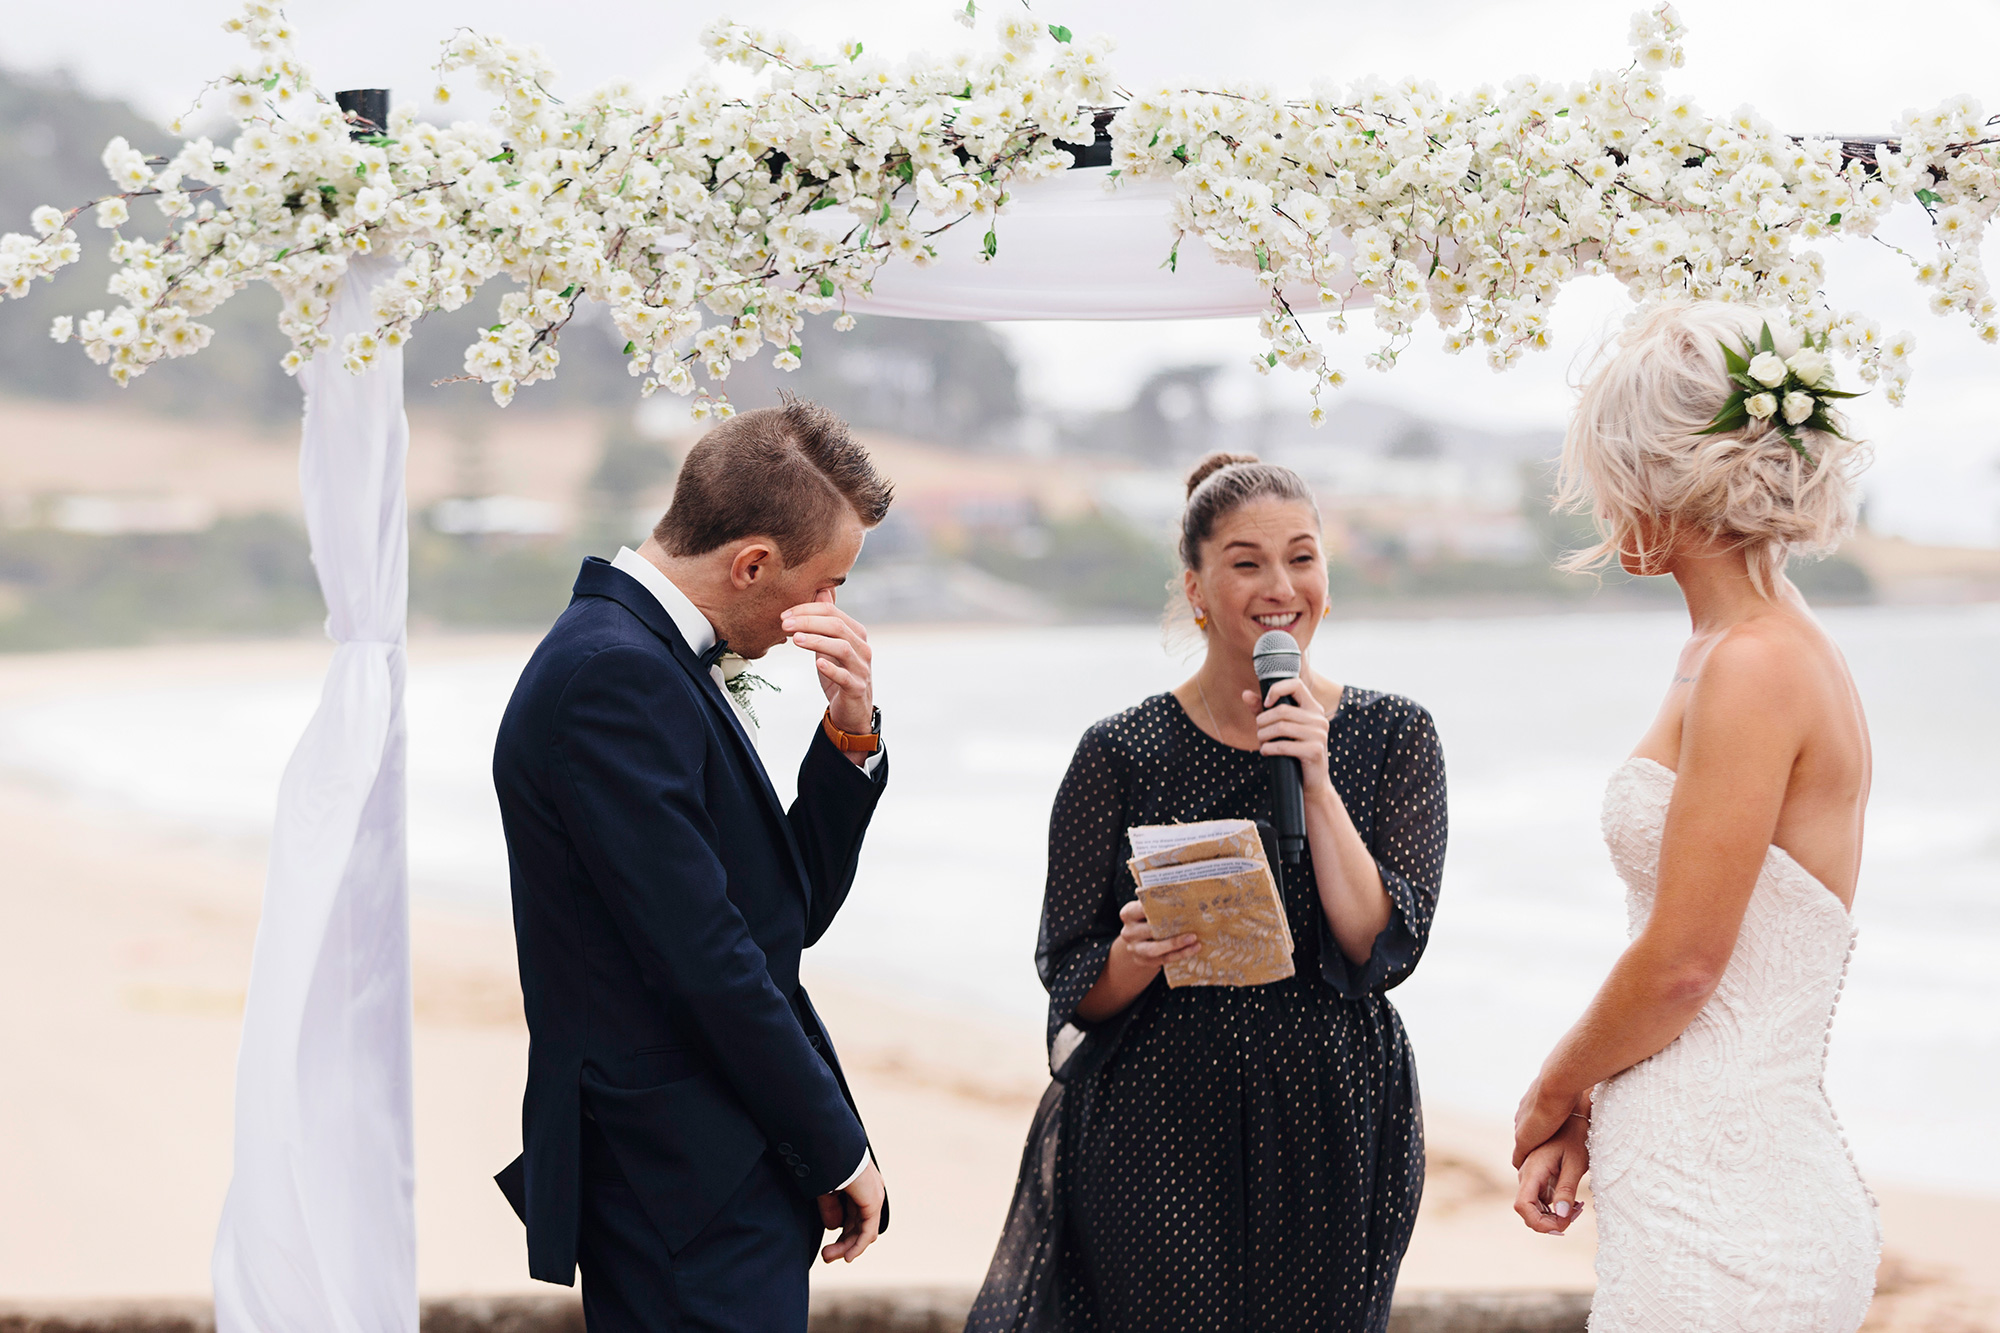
(867, 742)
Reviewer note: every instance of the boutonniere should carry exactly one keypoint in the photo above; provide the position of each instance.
(740, 680)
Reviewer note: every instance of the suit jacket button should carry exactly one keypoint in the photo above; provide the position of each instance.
(785, 1149)
(800, 1172)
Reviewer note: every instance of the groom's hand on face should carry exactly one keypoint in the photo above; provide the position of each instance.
(846, 664)
(857, 1211)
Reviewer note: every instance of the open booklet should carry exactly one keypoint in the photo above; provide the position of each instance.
(1212, 880)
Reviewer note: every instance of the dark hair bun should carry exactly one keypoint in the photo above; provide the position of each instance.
(1213, 464)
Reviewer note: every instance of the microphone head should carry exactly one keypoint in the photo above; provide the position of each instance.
(1276, 656)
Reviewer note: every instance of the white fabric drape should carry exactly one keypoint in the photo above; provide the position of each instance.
(318, 1232)
(1069, 248)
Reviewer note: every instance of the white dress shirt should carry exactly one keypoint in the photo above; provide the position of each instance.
(700, 636)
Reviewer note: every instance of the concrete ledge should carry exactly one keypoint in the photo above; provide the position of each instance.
(1490, 1312)
(911, 1310)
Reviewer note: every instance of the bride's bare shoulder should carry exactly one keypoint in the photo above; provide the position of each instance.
(1772, 665)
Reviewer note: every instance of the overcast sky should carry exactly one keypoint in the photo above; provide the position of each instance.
(1844, 66)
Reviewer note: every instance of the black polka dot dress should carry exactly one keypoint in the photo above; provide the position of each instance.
(1237, 1159)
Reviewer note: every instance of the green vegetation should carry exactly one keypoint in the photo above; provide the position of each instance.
(243, 576)
(1095, 563)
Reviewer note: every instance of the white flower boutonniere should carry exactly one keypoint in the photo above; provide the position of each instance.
(740, 680)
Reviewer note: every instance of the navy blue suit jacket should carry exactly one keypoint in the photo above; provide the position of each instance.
(662, 896)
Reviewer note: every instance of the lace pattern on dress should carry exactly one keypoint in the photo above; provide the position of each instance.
(1727, 1196)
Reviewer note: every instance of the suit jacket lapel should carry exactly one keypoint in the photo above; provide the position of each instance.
(599, 579)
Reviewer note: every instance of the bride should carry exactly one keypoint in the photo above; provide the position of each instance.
(1691, 1086)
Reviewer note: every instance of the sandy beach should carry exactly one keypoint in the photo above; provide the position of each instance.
(122, 966)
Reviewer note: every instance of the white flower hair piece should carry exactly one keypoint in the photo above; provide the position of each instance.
(1793, 393)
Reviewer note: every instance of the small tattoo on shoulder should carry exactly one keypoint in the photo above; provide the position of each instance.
(1683, 680)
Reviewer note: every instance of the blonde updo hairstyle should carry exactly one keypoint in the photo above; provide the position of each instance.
(1218, 485)
(1634, 450)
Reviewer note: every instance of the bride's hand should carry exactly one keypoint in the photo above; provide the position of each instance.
(1541, 1113)
(1294, 724)
(1549, 1177)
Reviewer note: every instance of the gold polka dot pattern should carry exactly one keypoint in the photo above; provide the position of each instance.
(1245, 1160)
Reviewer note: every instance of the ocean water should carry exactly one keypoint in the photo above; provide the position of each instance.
(1534, 713)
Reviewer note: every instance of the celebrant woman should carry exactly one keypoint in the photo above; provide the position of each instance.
(1214, 1157)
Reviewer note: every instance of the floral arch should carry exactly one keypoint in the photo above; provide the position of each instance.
(711, 224)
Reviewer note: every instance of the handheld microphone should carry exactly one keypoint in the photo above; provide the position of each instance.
(1276, 658)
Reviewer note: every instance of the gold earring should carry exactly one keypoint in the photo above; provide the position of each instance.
(1200, 620)
(1325, 611)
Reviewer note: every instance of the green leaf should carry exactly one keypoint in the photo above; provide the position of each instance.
(824, 201)
(569, 291)
(495, 328)
(628, 349)
(1749, 385)
(1924, 197)
(270, 83)
(1563, 112)
(905, 169)
(1271, 358)
(1839, 393)
(883, 216)
(1833, 221)
(361, 170)
(855, 54)
(504, 155)
(1738, 364)
(1181, 155)
(795, 350)
(1765, 343)
(1263, 259)
(1114, 173)
(992, 243)
(623, 181)
(826, 286)
(1732, 416)
(281, 254)
(1060, 33)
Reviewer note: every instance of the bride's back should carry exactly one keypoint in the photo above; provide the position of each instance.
(1821, 822)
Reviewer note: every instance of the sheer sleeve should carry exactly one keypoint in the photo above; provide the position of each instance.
(1407, 836)
(1086, 876)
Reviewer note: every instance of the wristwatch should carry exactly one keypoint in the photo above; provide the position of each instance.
(868, 742)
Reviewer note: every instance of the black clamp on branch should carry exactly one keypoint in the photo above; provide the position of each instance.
(367, 111)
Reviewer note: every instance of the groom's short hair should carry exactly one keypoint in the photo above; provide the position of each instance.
(781, 472)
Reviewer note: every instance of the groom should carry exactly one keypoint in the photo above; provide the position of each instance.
(689, 1136)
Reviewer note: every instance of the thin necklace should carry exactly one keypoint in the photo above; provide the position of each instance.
(1214, 726)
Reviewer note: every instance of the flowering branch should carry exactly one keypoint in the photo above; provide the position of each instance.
(1477, 210)
(711, 225)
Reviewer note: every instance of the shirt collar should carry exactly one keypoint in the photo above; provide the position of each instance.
(687, 617)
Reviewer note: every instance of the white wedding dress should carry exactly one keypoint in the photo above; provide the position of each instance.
(1727, 1198)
